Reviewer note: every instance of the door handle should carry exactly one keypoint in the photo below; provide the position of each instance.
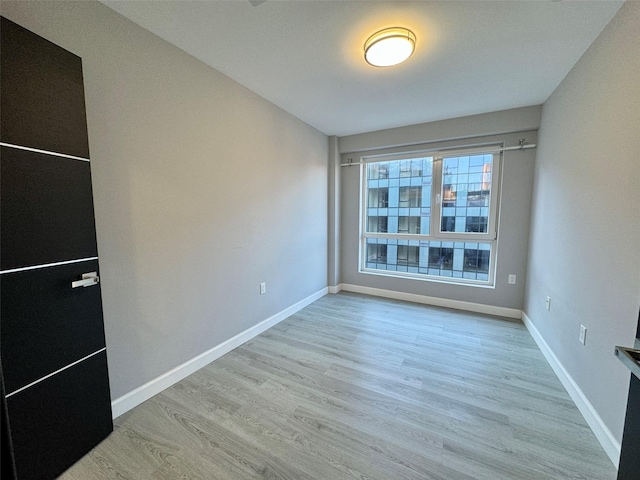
(88, 279)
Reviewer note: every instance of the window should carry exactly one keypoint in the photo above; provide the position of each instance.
(378, 197)
(376, 254)
(410, 196)
(408, 255)
(408, 224)
(377, 224)
(431, 216)
(379, 171)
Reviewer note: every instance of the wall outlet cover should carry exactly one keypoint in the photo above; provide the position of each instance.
(583, 334)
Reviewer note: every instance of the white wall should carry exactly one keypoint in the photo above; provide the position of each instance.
(517, 179)
(202, 191)
(473, 126)
(585, 225)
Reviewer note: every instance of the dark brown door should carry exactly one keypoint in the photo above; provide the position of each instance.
(56, 402)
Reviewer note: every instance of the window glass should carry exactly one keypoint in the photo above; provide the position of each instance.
(429, 217)
(466, 193)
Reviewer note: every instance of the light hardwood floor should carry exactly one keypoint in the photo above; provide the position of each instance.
(357, 387)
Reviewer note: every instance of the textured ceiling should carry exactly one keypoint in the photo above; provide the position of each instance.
(307, 56)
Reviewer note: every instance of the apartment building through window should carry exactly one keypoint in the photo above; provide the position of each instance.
(431, 216)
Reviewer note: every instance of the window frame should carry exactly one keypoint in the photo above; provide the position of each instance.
(435, 220)
(436, 209)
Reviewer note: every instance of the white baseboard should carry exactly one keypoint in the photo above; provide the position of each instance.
(144, 392)
(609, 443)
(436, 301)
(335, 289)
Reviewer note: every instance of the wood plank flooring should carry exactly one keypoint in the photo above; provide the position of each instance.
(357, 387)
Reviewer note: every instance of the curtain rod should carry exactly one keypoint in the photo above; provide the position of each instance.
(521, 146)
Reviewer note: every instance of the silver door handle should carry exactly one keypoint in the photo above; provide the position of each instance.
(88, 279)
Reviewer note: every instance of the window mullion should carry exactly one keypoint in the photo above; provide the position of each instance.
(436, 197)
(496, 176)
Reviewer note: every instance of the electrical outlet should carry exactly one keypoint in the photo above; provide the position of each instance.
(263, 288)
(512, 279)
(583, 334)
(547, 304)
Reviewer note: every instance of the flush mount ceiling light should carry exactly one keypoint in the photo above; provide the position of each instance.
(389, 47)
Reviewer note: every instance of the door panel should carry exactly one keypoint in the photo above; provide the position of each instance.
(42, 101)
(46, 212)
(8, 471)
(56, 401)
(60, 419)
(629, 464)
(46, 324)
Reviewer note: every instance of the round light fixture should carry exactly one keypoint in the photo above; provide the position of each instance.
(389, 47)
